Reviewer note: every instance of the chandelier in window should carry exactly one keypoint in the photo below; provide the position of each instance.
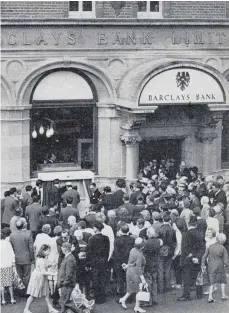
(44, 127)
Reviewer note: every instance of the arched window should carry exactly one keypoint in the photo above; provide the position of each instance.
(63, 122)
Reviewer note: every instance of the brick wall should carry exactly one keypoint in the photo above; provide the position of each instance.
(195, 9)
(34, 9)
(110, 9)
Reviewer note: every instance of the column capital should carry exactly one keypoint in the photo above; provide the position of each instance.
(130, 139)
(206, 136)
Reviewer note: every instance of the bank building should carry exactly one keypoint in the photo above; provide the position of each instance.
(91, 89)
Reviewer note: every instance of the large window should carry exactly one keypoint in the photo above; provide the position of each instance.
(149, 9)
(82, 9)
(63, 123)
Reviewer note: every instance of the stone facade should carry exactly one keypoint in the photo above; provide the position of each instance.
(119, 59)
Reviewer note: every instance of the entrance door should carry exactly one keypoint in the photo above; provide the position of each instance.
(158, 149)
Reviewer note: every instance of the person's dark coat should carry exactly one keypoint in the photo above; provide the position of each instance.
(168, 236)
(151, 252)
(108, 202)
(134, 197)
(66, 212)
(54, 195)
(22, 243)
(33, 213)
(201, 225)
(25, 201)
(74, 242)
(122, 247)
(192, 243)
(67, 272)
(95, 196)
(97, 250)
(220, 197)
(73, 194)
(118, 198)
(9, 210)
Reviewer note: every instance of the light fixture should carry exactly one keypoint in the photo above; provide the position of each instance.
(34, 133)
(41, 130)
(51, 131)
(48, 135)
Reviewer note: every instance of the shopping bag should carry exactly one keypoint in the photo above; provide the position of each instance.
(17, 282)
(143, 295)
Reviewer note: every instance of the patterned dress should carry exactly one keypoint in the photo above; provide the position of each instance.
(38, 284)
(6, 265)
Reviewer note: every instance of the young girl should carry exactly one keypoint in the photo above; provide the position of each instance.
(38, 284)
(217, 258)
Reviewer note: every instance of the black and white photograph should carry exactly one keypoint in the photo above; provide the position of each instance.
(114, 157)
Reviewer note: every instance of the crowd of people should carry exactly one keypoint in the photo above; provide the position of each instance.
(167, 230)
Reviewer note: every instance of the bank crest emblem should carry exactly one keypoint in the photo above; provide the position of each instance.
(183, 80)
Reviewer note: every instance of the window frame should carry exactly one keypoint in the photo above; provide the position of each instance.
(148, 14)
(80, 13)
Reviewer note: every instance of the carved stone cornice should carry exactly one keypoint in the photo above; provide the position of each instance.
(206, 136)
(130, 139)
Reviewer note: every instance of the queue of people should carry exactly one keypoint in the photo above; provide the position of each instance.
(164, 231)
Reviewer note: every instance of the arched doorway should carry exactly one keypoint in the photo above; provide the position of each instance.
(63, 122)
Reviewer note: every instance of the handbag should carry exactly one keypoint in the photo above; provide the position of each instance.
(17, 282)
(143, 295)
(199, 279)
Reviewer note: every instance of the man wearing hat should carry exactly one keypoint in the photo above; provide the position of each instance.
(73, 193)
(192, 250)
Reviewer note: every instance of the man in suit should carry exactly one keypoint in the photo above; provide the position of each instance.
(26, 198)
(66, 279)
(38, 190)
(194, 200)
(97, 259)
(192, 250)
(122, 246)
(54, 195)
(107, 200)
(137, 190)
(11, 202)
(68, 211)
(73, 193)
(168, 236)
(219, 194)
(22, 244)
(95, 196)
(119, 193)
(32, 214)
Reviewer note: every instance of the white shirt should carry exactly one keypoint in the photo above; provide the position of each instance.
(212, 222)
(42, 239)
(7, 254)
(108, 231)
(178, 242)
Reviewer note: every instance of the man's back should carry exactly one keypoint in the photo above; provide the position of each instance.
(22, 244)
(122, 247)
(33, 212)
(98, 249)
(66, 212)
(74, 195)
(192, 242)
(118, 198)
(9, 210)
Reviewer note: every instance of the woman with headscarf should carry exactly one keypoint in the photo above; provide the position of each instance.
(134, 274)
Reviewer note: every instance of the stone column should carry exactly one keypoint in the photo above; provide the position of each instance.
(131, 140)
(217, 118)
(15, 147)
(206, 137)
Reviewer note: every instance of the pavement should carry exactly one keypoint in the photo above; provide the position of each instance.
(167, 304)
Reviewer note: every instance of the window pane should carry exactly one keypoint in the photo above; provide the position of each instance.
(141, 6)
(73, 5)
(154, 6)
(87, 6)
